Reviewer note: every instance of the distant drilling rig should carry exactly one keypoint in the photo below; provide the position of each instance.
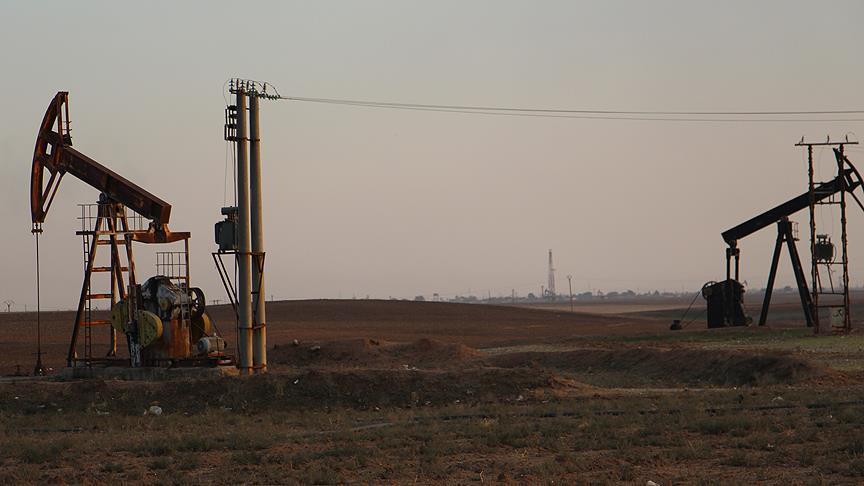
(241, 233)
(550, 282)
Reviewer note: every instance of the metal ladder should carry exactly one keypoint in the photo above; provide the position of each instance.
(98, 231)
(835, 299)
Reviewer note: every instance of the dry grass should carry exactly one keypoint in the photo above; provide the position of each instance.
(668, 438)
(550, 404)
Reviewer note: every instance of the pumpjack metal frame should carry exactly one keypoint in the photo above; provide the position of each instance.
(786, 234)
(55, 156)
(833, 300)
(831, 192)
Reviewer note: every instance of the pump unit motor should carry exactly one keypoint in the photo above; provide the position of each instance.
(170, 319)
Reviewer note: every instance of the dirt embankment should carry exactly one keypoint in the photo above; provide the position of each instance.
(313, 389)
(372, 353)
(673, 366)
(632, 366)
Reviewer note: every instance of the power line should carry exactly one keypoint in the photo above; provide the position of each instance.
(666, 116)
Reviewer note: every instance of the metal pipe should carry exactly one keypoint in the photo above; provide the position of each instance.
(244, 258)
(259, 334)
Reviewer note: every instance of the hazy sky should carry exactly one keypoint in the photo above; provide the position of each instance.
(397, 203)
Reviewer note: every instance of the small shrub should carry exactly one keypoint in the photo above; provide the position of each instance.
(722, 425)
(246, 458)
(625, 472)
(197, 443)
(856, 467)
(189, 462)
(321, 475)
(853, 446)
(112, 467)
(739, 459)
(160, 464)
(151, 447)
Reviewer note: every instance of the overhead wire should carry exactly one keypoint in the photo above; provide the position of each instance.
(664, 116)
(558, 110)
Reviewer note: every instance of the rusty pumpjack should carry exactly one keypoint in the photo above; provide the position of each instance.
(725, 306)
(164, 320)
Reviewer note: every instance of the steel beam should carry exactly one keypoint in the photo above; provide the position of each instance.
(790, 207)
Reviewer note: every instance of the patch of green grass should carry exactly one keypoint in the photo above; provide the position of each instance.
(625, 472)
(154, 447)
(737, 425)
(856, 467)
(160, 464)
(189, 462)
(34, 451)
(246, 458)
(36, 454)
(112, 467)
(740, 459)
(853, 446)
(197, 443)
(688, 452)
(321, 474)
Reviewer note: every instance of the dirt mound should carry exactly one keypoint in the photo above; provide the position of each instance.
(315, 388)
(672, 366)
(430, 351)
(355, 351)
(371, 353)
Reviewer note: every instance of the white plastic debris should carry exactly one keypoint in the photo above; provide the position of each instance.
(651, 483)
(154, 410)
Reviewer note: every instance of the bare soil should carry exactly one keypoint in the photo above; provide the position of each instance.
(395, 392)
(317, 320)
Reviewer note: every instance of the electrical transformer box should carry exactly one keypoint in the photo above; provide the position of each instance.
(226, 230)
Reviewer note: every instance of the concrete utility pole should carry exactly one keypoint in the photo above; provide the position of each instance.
(259, 331)
(570, 286)
(244, 257)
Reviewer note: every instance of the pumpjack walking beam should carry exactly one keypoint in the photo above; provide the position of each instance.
(848, 180)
